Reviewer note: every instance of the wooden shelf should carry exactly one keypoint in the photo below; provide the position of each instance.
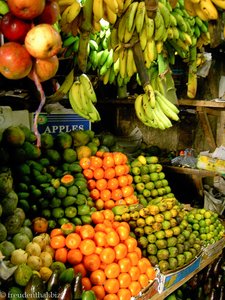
(202, 103)
(204, 263)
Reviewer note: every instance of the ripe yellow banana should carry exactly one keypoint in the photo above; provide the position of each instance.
(209, 9)
(140, 113)
(110, 15)
(75, 99)
(74, 11)
(140, 16)
(65, 2)
(188, 5)
(130, 62)
(98, 10)
(120, 4)
(219, 3)
(130, 15)
(123, 62)
(88, 87)
(112, 4)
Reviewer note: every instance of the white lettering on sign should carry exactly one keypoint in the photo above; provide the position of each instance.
(63, 128)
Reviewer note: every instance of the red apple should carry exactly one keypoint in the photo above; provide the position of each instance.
(26, 9)
(45, 68)
(15, 61)
(13, 28)
(43, 41)
(50, 14)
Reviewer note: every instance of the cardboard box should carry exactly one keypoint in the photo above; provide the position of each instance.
(168, 280)
(60, 122)
(214, 248)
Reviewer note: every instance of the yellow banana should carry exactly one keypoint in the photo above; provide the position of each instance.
(209, 9)
(112, 4)
(130, 62)
(130, 15)
(139, 110)
(128, 34)
(199, 12)
(88, 87)
(126, 4)
(123, 63)
(188, 5)
(111, 16)
(75, 99)
(140, 16)
(122, 28)
(151, 50)
(65, 2)
(120, 4)
(150, 27)
(98, 10)
(74, 11)
(143, 37)
(219, 3)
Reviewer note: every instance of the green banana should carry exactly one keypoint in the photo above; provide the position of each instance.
(165, 14)
(130, 15)
(69, 41)
(167, 109)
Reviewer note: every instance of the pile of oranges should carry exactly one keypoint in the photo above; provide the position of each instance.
(109, 181)
(109, 259)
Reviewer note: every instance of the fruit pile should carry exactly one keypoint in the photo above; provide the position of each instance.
(31, 42)
(149, 179)
(108, 258)
(170, 236)
(48, 181)
(108, 179)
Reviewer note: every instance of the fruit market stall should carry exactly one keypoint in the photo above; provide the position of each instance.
(86, 214)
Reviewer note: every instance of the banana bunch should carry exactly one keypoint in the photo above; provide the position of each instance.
(82, 98)
(158, 113)
(63, 90)
(109, 10)
(71, 16)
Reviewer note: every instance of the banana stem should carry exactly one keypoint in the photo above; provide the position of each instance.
(86, 27)
(140, 65)
(151, 8)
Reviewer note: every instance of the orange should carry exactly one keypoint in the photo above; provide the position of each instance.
(132, 199)
(87, 246)
(143, 264)
(101, 184)
(134, 273)
(95, 162)
(131, 244)
(100, 227)
(129, 179)
(118, 158)
(125, 224)
(109, 204)
(123, 232)
(58, 241)
(97, 217)
(85, 162)
(107, 255)
(105, 195)
(87, 231)
(56, 231)
(125, 264)
(112, 285)
(122, 180)
(95, 194)
(126, 169)
(117, 194)
(99, 173)
(127, 190)
(108, 214)
(139, 252)
(112, 238)
(86, 283)
(133, 256)
(74, 256)
(151, 273)
(111, 297)
(61, 255)
(120, 251)
(112, 270)
(88, 173)
(120, 202)
(80, 269)
(110, 173)
(112, 184)
(124, 294)
(143, 280)
(91, 262)
(99, 153)
(73, 240)
(108, 162)
(124, 280)
(91, 184)
(97, 277)
(99, 291)
(98, 249)
(100, 238)
(134, 288)
(120, 170)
